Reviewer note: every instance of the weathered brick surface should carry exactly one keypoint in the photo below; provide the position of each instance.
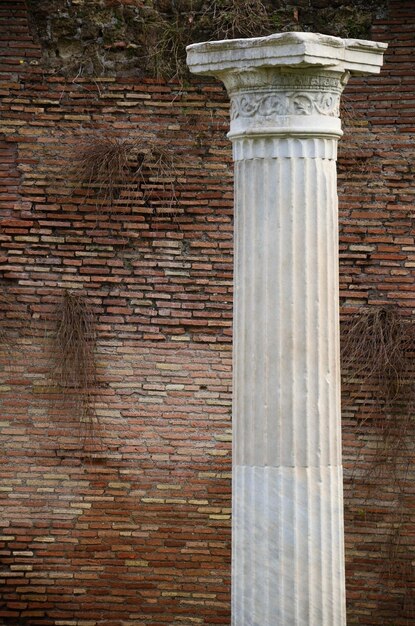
(134, 527)
(377, 264)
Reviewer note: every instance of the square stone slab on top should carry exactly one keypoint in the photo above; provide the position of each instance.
(294, 50)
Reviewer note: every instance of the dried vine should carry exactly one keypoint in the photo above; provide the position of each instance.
(109, 37)
(74, 364)
(4, 338)
(102, 164)
(378, 345)
(117, 170)
(231, 19)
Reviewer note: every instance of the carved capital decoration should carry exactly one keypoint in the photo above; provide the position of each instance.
(290, 103)
(280, 98)
(270, 92)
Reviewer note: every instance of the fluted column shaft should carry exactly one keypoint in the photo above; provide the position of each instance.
(287, 480)
(287, 534)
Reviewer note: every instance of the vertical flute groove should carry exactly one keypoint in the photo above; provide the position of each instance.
(296, 324)
(307, 246)
(268, 208)
(331, 293)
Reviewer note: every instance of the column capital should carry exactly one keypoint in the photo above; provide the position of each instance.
(286, 84)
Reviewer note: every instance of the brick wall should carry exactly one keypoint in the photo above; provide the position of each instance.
(131, 525)
(377, 265)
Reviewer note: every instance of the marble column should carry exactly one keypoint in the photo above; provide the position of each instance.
(287, 537)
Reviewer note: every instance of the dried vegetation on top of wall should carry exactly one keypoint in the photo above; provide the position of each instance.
(149, 37)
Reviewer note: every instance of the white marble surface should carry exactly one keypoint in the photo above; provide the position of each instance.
(287, 561)
(286, 338)
(282, 50)
(287, 540)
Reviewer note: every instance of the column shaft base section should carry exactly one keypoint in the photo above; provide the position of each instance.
(288, 564)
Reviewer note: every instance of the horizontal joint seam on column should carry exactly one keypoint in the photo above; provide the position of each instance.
(322, 466)
(261, 158)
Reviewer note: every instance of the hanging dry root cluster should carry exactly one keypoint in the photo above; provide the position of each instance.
(4, 338)
(118, 170)
(378, 346)
(74, 364)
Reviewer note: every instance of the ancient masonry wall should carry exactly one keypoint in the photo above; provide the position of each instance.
(131, 524)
